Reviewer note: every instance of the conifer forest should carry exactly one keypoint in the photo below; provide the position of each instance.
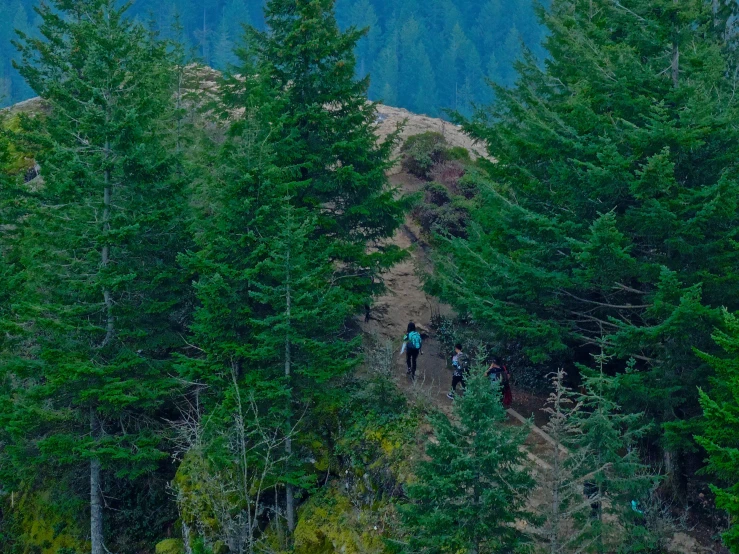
(369, 277)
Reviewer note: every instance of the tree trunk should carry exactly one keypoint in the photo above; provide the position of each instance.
(675, 64)
(289, 494)
(675, 56)
(106, 255)
(96, 501)
(556, 476)
(186, 538)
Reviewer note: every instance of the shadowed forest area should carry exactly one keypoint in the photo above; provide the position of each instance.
(245, 309)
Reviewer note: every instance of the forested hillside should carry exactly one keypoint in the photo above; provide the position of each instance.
(253, 312)
(423, 56)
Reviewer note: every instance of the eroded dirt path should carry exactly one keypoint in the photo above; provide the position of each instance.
(405, 301)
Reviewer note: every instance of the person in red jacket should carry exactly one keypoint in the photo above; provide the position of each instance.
(498, 372)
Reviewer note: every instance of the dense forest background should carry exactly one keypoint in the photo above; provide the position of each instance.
(423, 56)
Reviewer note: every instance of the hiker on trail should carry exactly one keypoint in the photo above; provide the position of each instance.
(412, 342)
(461, 366)
(498, 373)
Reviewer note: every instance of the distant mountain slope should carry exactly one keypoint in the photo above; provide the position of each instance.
(422, 55)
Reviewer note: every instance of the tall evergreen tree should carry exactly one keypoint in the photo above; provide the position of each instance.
(612, 472)
(473, 487)
(386, 73)
(720, 427)
(99, 301)
(272, 311)
(363, 16)
(562, 483)
(303, 85)
(11, 210)
(628, 229)
(223, 47)
(598, 491)
(290, 241)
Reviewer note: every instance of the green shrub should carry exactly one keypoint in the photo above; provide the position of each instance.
(448, 173)
(447, 220)
(421, 152)
(458, 153)
(436, 194)
(469, 185)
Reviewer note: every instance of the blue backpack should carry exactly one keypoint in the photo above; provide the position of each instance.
(414, 338)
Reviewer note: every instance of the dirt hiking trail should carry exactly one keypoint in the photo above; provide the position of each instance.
(405, 300)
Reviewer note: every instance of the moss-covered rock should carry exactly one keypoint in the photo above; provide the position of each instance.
(195, 492)
(20, 162)
(329, 522)
(170, 546)
(40, 528)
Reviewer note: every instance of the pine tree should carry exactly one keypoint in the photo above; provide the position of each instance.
(363, 16)
(223, 56)
(612, 473)
(473, 487)
(597, 480)
(99, 302)
(386, 74)
(720, 426)
(304, 86)
(291, 224)
(628, 230)
(271, 309)
(562, 484)
(12, 203)
(418, 84)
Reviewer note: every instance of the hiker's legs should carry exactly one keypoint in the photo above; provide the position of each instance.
(456, 380)
(411, 358)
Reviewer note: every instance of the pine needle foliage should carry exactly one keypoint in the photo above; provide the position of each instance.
(720, 427)
(612, 206)
(300, 77)
(99, 302)
(471, 490)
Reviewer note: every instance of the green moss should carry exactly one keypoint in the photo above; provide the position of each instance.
(194, 494)
(43, 530)
(19, 161)
(380, 451)
(329, 522)
(170, 546)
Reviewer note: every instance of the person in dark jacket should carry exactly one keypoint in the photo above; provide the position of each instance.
(497, 372)
(413, 343)
(461, 367)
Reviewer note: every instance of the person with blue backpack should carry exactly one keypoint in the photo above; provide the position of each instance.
(413, 343)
